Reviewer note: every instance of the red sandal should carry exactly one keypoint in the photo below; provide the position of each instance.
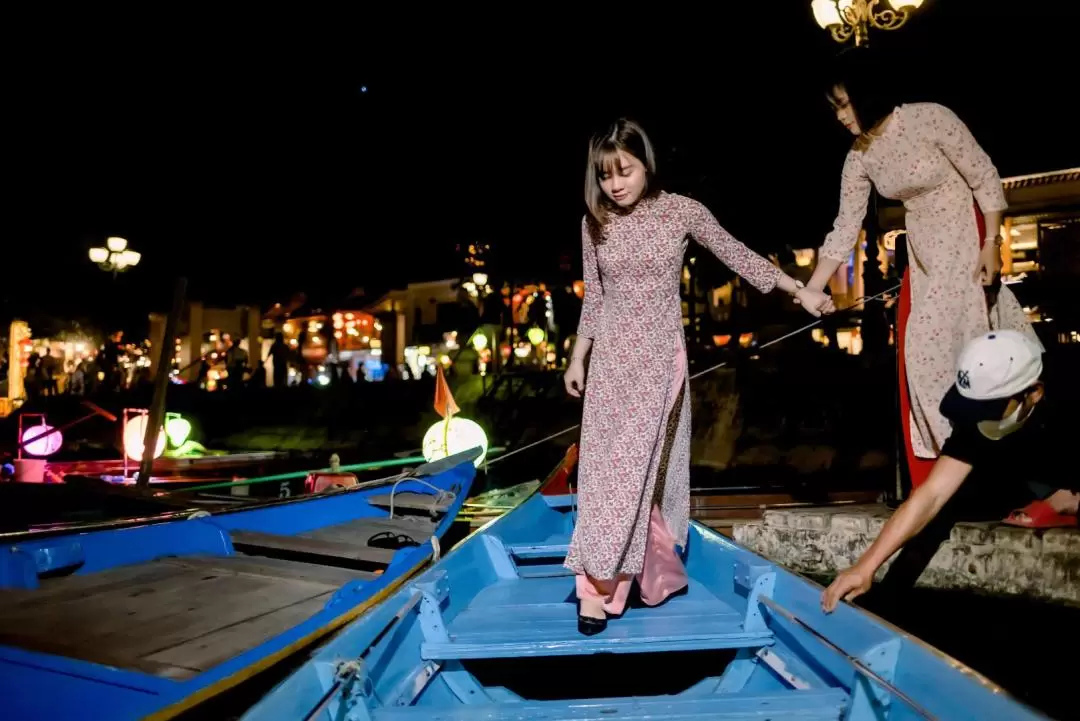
(1040, 514)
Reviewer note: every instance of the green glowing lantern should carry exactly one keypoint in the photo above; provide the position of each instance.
(536, 335)
(177, 428)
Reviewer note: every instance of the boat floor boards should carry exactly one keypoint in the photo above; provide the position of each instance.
(172, 617)
(825, 705)
(413, 501)
(343, 544)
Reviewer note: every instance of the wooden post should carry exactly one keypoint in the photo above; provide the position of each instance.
(161, 384)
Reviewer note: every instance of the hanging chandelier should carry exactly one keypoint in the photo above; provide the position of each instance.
(847, 18)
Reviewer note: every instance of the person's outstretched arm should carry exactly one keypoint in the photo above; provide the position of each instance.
(854, 197)
(912, 516)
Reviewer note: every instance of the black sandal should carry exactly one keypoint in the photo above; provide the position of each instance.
(391, 541)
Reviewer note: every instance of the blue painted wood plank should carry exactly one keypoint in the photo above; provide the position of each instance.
(514, 597)
(560, 637)
(539, 550)
(802, 705)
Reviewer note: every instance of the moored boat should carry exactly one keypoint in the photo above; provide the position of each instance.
(146, 620)
(490, 632)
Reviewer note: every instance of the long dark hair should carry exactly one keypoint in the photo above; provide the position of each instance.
(871, 85)
(622, 135)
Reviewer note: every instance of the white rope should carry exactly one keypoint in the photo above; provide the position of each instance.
(718, 366)
(436, 549)
(439, 493)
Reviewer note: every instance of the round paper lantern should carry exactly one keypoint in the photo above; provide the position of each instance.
(135, 434)
(44, 446)
(178, 429)
(455, 435)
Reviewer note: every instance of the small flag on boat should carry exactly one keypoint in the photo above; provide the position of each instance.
(445, 405)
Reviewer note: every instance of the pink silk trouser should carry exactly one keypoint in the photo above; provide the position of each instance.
(663, 572)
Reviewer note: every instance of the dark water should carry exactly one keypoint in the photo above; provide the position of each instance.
(1026, 646)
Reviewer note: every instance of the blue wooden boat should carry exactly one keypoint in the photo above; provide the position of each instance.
(149, 619)
(490, 633)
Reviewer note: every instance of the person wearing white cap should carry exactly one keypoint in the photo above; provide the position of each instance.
(981, 472)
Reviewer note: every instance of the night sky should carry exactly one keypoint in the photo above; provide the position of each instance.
(245, 153)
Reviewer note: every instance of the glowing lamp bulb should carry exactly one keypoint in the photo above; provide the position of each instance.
(44, 445)
(536, 335)
(447, 437)
(135, 434)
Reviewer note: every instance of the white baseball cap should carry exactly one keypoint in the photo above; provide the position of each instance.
(995, 366)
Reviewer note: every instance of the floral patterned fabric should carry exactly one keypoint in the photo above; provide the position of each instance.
(927, 158)
(635, 431)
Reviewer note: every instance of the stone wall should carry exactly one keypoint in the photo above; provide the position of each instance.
(988, 557)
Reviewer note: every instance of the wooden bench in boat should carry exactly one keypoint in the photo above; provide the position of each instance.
(172, 617)
(827, 705)
(537, 617)
(343, 545)
(317, 550)
(413, 501)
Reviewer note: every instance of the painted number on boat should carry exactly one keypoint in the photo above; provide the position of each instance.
(283, 490)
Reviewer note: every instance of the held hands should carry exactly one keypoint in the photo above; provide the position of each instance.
(816, 302)
(989, 262)
(574, 378)
(849, 585)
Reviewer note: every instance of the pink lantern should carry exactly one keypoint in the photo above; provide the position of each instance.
(45, 445)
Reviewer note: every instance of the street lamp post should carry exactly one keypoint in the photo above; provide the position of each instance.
(115, 257)
(845, 18)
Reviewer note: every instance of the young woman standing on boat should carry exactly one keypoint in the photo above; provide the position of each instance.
(923, 154)
(633, 478)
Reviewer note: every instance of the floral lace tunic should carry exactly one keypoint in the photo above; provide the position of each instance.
(635, 431)
(927, 158)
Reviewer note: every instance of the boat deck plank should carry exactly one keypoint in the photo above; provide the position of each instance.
(827, 705)
(413, 501)
(538, 617)
(314, 549)
(359, 531)
(163, 617)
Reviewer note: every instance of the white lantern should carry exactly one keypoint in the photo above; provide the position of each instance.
(42, 446)
(448, 437)
(135, 435)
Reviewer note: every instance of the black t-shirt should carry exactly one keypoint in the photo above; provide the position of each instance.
(1030, 461)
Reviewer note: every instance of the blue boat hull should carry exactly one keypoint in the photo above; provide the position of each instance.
(447, 644)
(66, 672)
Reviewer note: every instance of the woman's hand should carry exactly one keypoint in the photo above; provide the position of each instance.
(816, 302)
(574, 378)
(989, 262)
